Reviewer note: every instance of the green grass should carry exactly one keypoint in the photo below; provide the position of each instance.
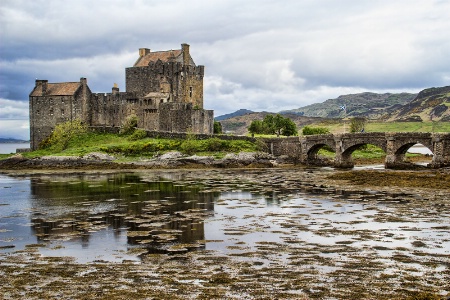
(408, 127)
(340, 127)
(122, 146)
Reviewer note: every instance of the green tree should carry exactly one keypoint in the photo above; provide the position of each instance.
(290, 128)
(267, 125)
(357, 124)
(256, 127)
(277, 124)
(217, 127)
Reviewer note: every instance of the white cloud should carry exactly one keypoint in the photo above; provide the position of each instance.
(17, 129)
(10, 109)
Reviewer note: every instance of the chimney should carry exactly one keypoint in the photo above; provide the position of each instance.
(83, 81)
(143, 51)
(115, 89)
(43, 84)
(186, 56)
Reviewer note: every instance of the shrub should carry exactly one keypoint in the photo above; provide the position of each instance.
(217, 127)
(129, 125)
(189, 147)
(216, 144)
(307, 130)
(62, 134)
(138, 134)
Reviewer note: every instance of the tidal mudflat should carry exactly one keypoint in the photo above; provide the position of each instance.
(225, 234)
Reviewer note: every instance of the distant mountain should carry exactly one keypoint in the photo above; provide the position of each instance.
(10, 141)
(237, 113)
(429, 105)
(238, 125)
(369, 105)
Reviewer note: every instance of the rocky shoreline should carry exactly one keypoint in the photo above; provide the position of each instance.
(164, 161)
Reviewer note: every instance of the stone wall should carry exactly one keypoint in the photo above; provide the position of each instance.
(107, 109)
(48, 111)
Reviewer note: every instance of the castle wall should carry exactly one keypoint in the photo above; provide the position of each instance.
(193, 86)
(175, 117)
(106, 108)
(202, 121)
(143, 80)
(48, 111)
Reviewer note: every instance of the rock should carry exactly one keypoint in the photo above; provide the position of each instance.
(170, 155)
(99, 156)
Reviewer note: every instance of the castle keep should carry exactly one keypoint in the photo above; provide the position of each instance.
(164, 90)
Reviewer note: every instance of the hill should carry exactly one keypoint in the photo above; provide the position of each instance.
(10, 140)
(429, 105)
(238, 125)
(237, 113)
(369, 105)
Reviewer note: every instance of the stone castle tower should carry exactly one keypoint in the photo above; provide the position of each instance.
(164, 89)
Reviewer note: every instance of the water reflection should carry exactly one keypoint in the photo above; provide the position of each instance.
(153, 215)
(121, 216)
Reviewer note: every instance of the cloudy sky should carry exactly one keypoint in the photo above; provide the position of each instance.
(258, 54)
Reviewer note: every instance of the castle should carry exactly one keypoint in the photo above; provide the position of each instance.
(164, 90)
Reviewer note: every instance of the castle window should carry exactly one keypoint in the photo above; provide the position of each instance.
(51, 111)
(190, 91)
(62, 112)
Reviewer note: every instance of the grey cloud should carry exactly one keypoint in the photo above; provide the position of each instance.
(260, 55)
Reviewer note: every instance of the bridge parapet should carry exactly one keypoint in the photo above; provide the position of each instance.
(304, 149)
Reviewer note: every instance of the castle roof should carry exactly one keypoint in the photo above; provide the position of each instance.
(164, 56)
(156, 95)
(57, 89)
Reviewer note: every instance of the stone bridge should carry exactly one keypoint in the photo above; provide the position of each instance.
(304, 149)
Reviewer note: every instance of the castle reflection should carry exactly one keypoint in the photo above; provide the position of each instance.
(156, 214)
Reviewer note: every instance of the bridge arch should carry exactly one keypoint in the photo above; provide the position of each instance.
(350, 142)
(313, 153)
(312, 145)
(399, 144)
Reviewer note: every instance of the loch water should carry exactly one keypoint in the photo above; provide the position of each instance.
(123, 216)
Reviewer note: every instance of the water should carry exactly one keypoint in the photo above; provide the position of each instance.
(420, 149)
(116, 217)
(7, 148)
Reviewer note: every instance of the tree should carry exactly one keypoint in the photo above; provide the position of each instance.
(290, 128)
(357, 124)
(256, 127)
(267, 125)
(217, 127)
(277, 124)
